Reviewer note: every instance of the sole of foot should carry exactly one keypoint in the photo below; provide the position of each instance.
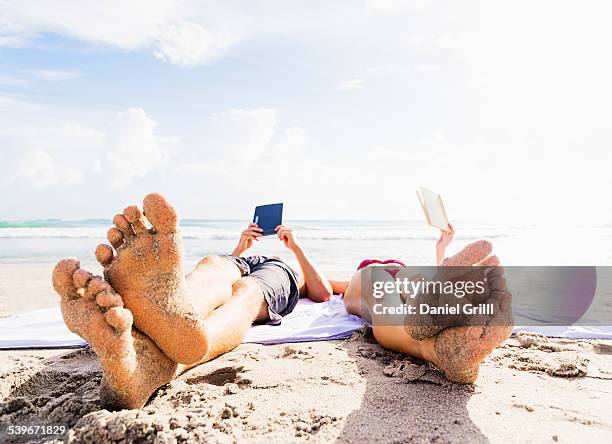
(459, 351)
(145, 267)
(476, 255)
(133, 366)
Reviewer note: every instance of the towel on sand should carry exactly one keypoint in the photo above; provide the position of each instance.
(308, 322)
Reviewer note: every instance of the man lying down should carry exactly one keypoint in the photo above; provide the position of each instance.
(148, 322)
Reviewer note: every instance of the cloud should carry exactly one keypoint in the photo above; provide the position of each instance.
(352, 84)
(127, 25)
(14, 41)
(11, 81)
(11, 34)
(53, 75)
(238, 134)
(427, 68)
(162, 27)
(380, 71)
(290, 143)
(65, 153)
(460, 41)
(10, 105)
(189, 44)
(134, 150)
(39, 170)
(377, 72)
(246, 145)
(193, 32)
(39, 157)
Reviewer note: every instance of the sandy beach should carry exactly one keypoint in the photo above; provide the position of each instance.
(141, 140)
(532, 389)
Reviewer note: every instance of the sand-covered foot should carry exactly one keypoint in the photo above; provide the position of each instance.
(470, 254)
(468, 265)
(458, 351)
(134, 367)
(147, 271)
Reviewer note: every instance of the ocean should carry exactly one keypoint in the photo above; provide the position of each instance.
(335, 246)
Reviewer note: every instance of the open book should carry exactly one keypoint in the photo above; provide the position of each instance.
(433, 208)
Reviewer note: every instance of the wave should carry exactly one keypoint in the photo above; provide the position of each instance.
(100, 235)
(217, 230)
(53, 223)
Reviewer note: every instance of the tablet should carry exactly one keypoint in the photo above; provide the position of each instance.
(268, 217)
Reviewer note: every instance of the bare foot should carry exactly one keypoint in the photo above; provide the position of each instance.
(147, 271)
(468, 266)
(133, 366)
(458, 351)
(470, 254)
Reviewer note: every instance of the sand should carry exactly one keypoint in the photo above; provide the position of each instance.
(532, 389)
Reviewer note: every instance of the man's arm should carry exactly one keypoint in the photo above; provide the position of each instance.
(318, 288)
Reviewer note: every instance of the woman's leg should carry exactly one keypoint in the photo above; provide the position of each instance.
(357, 302)
(352, 297)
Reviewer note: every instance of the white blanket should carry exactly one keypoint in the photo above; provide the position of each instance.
(308, 322)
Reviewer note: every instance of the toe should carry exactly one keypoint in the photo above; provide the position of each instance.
(81, 278)
(115, 237)
(62, 278)
(160, 213)
(124, 226)
(120, 318)
(489, 261)
(95, 285)
(133, 215)
(496, 279)
(104, 254)
(109, 299)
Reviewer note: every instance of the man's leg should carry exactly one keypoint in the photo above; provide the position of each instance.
(211, 283)
(227, 326)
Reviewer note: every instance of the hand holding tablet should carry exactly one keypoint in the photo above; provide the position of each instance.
(266, 220)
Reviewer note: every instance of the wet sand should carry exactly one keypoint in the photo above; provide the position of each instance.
(531, 389)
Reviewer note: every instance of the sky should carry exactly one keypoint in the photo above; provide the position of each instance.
(339, 109)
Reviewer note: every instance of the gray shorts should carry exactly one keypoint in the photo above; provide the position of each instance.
(277, 280)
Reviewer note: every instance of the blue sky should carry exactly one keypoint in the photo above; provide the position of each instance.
(340, 109)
